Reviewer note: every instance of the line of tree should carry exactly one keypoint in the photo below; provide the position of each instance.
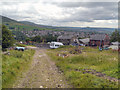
(115, 36)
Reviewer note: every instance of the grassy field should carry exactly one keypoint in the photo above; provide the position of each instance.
(14, 64)
(74, 66)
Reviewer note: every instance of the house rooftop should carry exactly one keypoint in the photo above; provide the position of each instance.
(65, 37)
(97, 37)
(85, 40)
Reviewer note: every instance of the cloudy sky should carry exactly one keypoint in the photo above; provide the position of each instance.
(63, 13)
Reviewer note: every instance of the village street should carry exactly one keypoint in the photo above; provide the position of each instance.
(42, 73)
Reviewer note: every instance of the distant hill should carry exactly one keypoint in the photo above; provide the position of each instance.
(26, 25)
(77, 29)
(33, 24)
(22, 25)
(6, 19)
(26, 22)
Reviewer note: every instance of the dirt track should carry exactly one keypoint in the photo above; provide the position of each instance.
(43, 73)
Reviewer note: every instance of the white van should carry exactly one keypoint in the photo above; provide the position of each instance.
(55, 44)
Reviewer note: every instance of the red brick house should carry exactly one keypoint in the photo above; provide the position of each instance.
(99, 40)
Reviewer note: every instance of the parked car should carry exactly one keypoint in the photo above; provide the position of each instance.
(114, 47)
(20, 48)
(55, 44)
(105, 47)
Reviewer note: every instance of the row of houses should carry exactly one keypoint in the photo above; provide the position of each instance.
(48, 32)
(93, 40)
(34, 33)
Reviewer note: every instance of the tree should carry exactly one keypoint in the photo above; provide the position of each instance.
(115, 36)
(37, 39)
(7, 38)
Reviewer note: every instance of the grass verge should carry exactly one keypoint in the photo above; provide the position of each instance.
(14, 64)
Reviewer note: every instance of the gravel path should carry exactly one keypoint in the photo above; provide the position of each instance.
(43, 73)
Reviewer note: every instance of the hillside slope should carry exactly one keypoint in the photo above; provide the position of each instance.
(26, 25)
(22, 25)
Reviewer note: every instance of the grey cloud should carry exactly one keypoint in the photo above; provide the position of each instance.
(84, 4)
(92, 11)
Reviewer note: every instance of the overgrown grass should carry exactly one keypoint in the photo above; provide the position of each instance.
(14, 64)
(102, 61)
